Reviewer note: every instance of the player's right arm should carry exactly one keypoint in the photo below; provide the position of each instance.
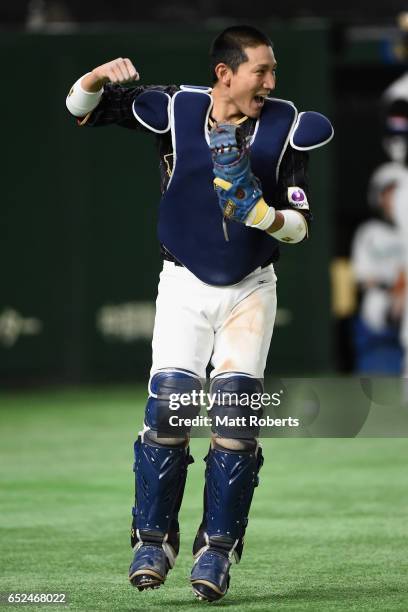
(103, 96)
(94, 89)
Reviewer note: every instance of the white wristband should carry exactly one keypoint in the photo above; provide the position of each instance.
(294, 228)
(266, 222)
(80, 102)
(267, 219)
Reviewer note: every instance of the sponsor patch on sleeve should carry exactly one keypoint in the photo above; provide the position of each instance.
(297, 198)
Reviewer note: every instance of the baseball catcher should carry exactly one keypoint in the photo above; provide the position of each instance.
(233, 163)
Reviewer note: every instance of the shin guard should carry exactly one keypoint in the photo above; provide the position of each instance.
(160, 476)
(230, 480)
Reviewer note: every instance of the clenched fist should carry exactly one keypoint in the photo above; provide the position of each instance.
(120, 70)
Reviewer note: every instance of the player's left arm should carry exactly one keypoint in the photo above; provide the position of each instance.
(240, 192)
(292, 207)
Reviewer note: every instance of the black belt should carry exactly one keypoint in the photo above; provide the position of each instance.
(169, 257)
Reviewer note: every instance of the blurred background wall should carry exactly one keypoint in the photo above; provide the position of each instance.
(80, 259)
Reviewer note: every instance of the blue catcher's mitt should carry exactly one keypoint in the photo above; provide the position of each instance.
(237, 188)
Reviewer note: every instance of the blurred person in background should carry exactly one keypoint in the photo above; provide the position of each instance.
(378, 264)
(395, 142)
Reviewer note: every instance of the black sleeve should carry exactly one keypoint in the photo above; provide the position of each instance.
(293, 173)
(115, 106)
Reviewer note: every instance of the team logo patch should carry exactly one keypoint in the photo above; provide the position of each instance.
(297, 198)
(229, 209)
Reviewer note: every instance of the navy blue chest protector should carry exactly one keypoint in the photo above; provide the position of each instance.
(190, 219)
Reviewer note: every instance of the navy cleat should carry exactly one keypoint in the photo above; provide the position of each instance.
(210, 575)
(149, 567)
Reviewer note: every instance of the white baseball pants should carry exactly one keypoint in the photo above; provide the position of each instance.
(196, 322)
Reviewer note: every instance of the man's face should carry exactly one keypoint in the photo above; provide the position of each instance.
(253, 80)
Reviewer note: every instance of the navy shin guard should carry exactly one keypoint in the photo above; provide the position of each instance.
(160, 476)
(230, 480)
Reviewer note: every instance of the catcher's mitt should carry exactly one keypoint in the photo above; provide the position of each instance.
(237, 188)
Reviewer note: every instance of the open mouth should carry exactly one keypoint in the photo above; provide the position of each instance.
(259, 100)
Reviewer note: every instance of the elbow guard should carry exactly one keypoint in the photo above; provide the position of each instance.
(294, 228)
(80, 102)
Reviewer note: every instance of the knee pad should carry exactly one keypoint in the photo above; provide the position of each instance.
(232, 414)
(166, 389)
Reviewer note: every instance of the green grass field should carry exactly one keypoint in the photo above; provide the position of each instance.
(328, 528)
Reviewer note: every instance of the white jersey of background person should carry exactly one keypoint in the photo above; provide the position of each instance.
(377, 253)
(377, 259)
(396, 146)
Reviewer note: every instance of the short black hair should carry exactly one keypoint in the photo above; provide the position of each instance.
(229, 46)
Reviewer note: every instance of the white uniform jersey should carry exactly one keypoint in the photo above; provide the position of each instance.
(377, 260)
(377, 253)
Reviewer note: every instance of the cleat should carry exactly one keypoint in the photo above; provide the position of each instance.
(210, 575)
(199, 597)
(149, 567)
